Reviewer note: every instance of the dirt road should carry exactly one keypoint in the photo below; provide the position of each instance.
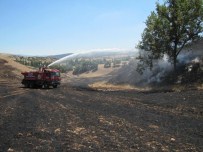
(77, 119)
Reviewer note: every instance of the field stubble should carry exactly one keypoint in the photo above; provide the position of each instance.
(71, 118)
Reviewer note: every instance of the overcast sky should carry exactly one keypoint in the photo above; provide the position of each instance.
(47, 27)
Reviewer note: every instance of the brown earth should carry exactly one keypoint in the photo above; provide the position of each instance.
(75, 118)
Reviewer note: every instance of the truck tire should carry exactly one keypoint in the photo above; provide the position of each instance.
(31, 85)
(26, 85)
(46, 86)
(54, 86)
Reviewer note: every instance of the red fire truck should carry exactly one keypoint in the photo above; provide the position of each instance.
(43, 78)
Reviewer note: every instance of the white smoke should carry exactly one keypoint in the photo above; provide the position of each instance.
(160, 72)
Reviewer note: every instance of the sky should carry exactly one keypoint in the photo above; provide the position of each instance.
(49, 27)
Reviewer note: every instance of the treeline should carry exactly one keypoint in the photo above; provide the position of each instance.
(78, 66)
(33, 61)
(85, 66)
(116, 62)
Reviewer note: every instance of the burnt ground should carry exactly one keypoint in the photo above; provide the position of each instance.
(73, 119)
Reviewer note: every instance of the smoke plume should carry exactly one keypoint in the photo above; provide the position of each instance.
(162, 69)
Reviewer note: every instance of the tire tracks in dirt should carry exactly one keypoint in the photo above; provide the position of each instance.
(13, 93)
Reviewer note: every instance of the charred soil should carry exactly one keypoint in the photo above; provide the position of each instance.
(73, 119)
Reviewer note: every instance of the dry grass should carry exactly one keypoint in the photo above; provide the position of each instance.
(99, 73)
(17, 66)
(200, 87)
(194, 86)
(111, 87)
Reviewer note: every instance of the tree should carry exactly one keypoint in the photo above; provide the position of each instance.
(175, 24)
(107, 64)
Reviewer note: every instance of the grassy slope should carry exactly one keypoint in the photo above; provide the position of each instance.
(18, 68)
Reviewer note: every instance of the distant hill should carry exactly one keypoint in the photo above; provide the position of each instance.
(59, 55)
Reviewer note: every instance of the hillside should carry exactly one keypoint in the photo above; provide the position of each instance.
(11, 66)
(75, 118)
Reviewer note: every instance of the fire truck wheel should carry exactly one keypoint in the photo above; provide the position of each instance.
(54, 86)
(26, 85)
(31, 85)
(46, 86)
